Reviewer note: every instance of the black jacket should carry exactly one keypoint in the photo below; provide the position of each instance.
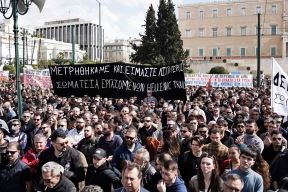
(103, 176)
(70, 160)
(64, 185)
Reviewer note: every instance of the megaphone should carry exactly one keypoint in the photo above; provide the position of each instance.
(22, 7)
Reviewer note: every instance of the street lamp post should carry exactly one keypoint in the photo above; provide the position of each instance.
(9, 9)
(100, 33)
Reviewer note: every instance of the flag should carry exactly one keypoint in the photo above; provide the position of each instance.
(209, 85)
(279, 89)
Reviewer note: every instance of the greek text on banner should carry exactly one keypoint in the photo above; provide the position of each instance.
(118, 80)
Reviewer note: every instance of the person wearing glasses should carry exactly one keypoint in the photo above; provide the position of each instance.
(252, 180)
(233, 183)
(207, 178)
(54, 180)
(126, 151)
(171, 181)
(28, 126)
(276, 147)
(17, 135)
(148, 130)
(66, 156)
(15, 176)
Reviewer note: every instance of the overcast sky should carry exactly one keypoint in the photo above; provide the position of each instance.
(120, 18)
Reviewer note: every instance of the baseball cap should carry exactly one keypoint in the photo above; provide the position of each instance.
(100, 153)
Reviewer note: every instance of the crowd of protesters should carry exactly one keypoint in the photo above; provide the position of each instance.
(222, 139)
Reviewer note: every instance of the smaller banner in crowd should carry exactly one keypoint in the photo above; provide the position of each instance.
(118, 80)
(219, 80)
(4, 75)
(279, 89)
(36, 78)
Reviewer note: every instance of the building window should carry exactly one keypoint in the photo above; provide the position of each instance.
(229, 52)
(243, 31)
(201, 32)
(188, 33)
(258, 9)
(201, 14)
(273, 51)
(273, 29)
(215, 52)
(214, 31)
(274, 9)
(229, 12)
(242, 52)
(228, 31)
(188, 15)
(215, 12)
(243, 11)
(201, 52)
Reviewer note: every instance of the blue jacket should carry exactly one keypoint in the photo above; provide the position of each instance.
(123, 190)
(178, 186)
(122, 153)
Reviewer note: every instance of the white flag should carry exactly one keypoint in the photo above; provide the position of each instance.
(279, 89)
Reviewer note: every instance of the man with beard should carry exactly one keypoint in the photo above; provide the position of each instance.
(17, 135)
(66, 156)
(148, 130)
(28, 127)
(171, 181)
(250, 138)
(78, 132)
(87, 145)
(100, 172)
(98, 129)
(142, 158)
(276, 147)
(15, 176)
(240, 130)
(109, 141)
(126, 151)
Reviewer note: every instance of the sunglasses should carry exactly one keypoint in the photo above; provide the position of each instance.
(61, 125)
(11, 152)
(129, 138)
(240, 126)
(279, 139)
(36, 119)
(183, 131)
(62, 144)
(202, 132)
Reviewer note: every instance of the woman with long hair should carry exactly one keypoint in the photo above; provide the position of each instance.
(207, 178)
(170, 144)
(262, 167)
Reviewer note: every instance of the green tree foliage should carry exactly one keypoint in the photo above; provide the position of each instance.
(10, 68)
(162, 42)
(218, 70)
(147, 51)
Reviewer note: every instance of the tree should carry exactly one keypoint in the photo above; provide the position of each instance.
(173, 51)
(218, 70)
(147, 51)
(161, 43)
(10, 68)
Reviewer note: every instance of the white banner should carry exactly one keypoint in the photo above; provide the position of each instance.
(220, 80)
(279, 89)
